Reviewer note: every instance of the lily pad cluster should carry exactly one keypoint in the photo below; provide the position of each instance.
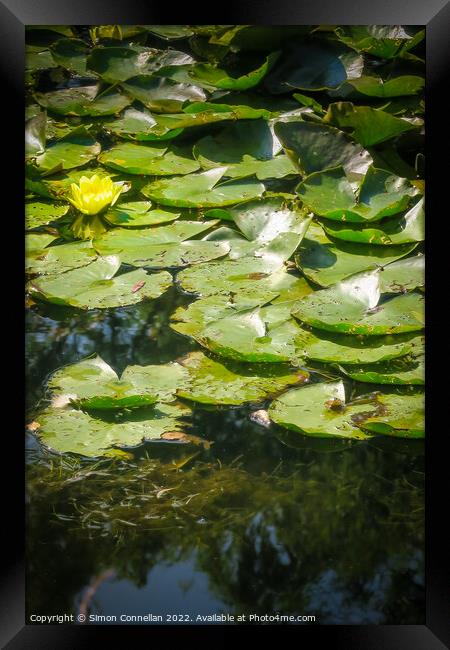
(274, 175)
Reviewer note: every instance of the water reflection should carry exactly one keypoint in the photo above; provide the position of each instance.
(260, 523)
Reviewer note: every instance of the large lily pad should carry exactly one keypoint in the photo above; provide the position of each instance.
(211, 382)
(44, 259)
(97, 287)
(72, 150)
(316, 147)
(353, 306)
(70, 53)
(117, 63)
(164, 246)
(400, 86)
(321, 410)
(325, 262)
(202, 190)
(386, 41)
(93, 384)
(330, 194)
(138, 214)
(67, 430)
(41, 213)
(162, 95)
(408, 228)
(370, 125)
(84, 101)
(403, 275)
(210, 77)
(149, 160)
(314, 66)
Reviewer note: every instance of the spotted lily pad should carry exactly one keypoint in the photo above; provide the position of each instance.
(93, 384)
(325, 262)
(403, 275)
(97, 287)
(321, 410)
(44, 259)
(147, 159)
(202, 190)
(355, 306)
(66, 430)
(164, 246)
(211, 382)
(72, 150)
(41, 213)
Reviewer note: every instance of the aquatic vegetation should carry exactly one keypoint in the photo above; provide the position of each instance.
(225, 255)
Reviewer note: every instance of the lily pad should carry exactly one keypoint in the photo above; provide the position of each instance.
(73, 150)
(70, 53)
(42, 259)
(317, 147)
(72, 431)
(164, 246)
(202, 190)
(148, 160)
(41, 213)
(353, 306)
(163, 95)
(314, 66)
(118, 63)
(403, 275)
(84, 101)
(370, 125)
(407, 228)
(330, 194)
(138, 214)
(211, 382)
(386, 41)
(400, 86)
(318, 410)
(325, 262)
(95, 287)
(93, 384)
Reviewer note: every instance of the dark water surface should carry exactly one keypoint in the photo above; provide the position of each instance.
(260, 523)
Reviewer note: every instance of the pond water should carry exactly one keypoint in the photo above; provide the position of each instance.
(259, 523)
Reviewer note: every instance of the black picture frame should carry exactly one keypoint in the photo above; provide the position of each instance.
(435, 15)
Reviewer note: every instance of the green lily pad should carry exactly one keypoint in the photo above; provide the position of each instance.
(138, 214)
(163, 95)
(210, 77)
(73, 150)
(72, 431)
(170, 32)
(325, 262)
(141, 125)
(318, 410)
(41, 213)
(331, 195)
(409, 369)
(353, 306)
(201, 190)
(70, 53)
(403, 275)
(370, 125)
(93, 384)
(400, 86)
(147, 159)
(84, 101)
(95, 287)
(317, 147)
(117, 63)
(386, 41)
(211, 382)
(327, 347)
(55, 259)
(314, 66)
(37, 58)
(407, 228)
(164, 246)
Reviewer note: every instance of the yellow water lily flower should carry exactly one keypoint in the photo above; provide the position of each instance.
(95, 193)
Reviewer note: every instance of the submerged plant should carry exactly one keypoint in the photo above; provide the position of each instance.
(90, 198)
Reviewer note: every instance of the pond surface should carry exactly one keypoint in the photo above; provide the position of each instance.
(259, 523)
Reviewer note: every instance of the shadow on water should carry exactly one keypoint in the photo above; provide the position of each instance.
(261, 522)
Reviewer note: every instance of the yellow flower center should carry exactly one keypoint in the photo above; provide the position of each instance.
(94, 194)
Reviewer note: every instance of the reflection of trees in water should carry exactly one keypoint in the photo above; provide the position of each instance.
(336, 535)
